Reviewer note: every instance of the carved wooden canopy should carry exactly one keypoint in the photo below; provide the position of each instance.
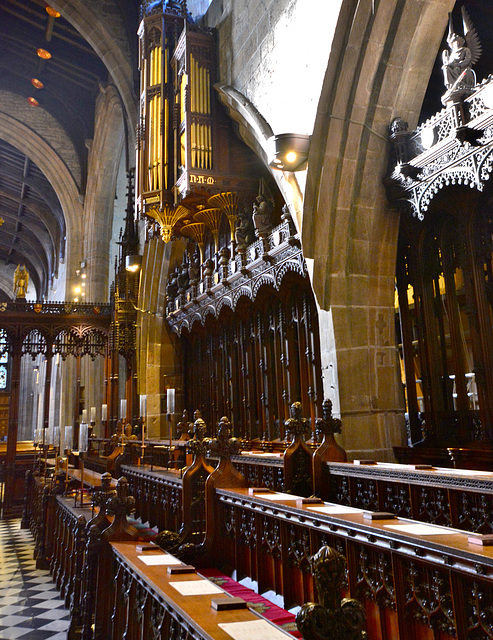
(454, 147)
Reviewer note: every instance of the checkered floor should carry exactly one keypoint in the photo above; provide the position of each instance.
(30, 605)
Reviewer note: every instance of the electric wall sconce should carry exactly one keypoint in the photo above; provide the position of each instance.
(289, 151)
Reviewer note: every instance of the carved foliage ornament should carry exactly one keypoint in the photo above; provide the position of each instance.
(224, 446)
(332, 618)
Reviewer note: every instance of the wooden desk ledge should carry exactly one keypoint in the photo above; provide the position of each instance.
(91, 478)
(416, 473)
(440, 545)
(195, 610)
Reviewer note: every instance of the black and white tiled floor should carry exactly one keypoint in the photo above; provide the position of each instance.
(30, 605)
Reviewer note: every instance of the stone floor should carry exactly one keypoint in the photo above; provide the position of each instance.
(30, 605)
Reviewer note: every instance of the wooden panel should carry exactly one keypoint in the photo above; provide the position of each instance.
(4, 414)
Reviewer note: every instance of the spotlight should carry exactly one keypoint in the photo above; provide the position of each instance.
(289, 151)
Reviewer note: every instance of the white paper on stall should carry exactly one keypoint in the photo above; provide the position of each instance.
(275, 496)
(334, 510)
(196, 588)
(159, 559)
(462, 472)
(420, 529)
(252, 630)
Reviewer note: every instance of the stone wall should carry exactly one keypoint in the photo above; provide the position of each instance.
(341, 71)
(275, 53)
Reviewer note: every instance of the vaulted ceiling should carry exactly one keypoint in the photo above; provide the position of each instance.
(33, 228)
(61, 111)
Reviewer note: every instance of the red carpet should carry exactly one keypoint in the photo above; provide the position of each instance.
(261, 605)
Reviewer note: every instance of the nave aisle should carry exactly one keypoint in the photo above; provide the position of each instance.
(30, 605)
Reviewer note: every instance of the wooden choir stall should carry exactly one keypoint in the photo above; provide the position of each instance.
(125, 563)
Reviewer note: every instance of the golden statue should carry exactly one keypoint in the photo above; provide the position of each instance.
(21, 280)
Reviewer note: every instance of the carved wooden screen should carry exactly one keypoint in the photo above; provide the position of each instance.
(445, 288)
(252, 364)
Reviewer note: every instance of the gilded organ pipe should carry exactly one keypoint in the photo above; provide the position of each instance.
(166, 129)
(193, 144)
(201, 146)
(192, 84)
(200, 89)
(158, 143)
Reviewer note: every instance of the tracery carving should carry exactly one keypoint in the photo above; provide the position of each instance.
(476, 513)
(158, 615)
(299, 548)
(34, 343)
(251, 272)
(463, 157)
(341, 489)
(247, 534)
(428, 597)
(375, 577)
(366, 494)
(397, 500)
(271, 537)
(433, 506)
(479, 613)
(229, 520)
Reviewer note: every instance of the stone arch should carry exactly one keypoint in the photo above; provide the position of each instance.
(52, 165)
(41, 121)
(100, 191)
(379, 67)
(255, 131)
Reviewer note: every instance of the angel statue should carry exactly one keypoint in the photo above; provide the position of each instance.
(262, 210)
(21, 280)
(464, 52)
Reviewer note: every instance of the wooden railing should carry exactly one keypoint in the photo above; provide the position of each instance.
(451, 497)
(448, 497)
(411, 585)
(158, 496)
(414, 578)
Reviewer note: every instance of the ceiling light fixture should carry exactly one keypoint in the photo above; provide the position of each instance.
(43, 53)
(37, 84)
(52, 12)
(33, 102)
